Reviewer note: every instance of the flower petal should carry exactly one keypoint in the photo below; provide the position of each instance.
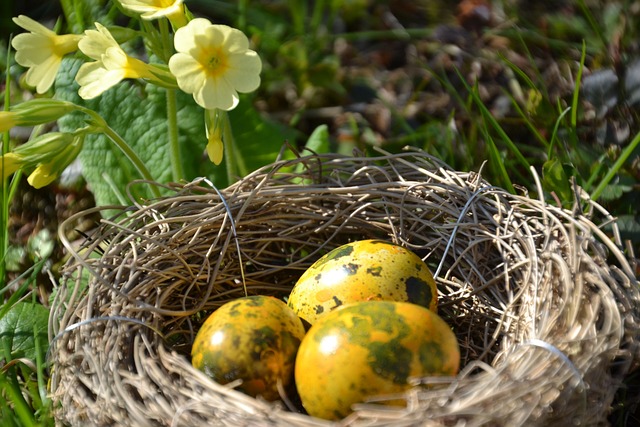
(234, 39)
(188, 72)
(43, 75)
(94, 79)
(114, 58)
(244, 71)
(152, 9)
(214, 63)
(96, 42)
(185, 37)
(217, 93)
(10, 163)
(31, 48)
(215, 149)
(41, 176)
(32, 26)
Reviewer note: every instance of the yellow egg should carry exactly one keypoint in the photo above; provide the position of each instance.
(369, 349)
(254, 339)
(364, 270)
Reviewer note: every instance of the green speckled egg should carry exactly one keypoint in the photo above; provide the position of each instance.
(254, 339)
(369, 349)
(364, 270)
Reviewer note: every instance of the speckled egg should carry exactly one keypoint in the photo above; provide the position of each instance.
(369, 349)
(362, 271)
(254, 339)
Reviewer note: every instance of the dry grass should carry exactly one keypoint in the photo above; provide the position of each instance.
(544, 304)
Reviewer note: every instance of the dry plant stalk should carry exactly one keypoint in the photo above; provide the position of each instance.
(544, 304)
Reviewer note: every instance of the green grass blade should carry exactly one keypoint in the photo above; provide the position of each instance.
(517, 70)
(496, 160)
(576, 89)
(528, 123)
(619, 163)
(554, 133)
(488, 117)
(594, 25)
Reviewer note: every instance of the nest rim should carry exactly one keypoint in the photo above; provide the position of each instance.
(546, 265)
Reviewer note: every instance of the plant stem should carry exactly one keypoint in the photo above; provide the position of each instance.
(6, 198)
(177, 169)
(9, 385)
(229, 142)
(100, 124)
(132, 156)
(242, 15)
(234, 160)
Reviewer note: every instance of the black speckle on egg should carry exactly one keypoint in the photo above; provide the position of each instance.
(375, 271)
(351, 268)
(337, 301)
(338, 252)
(418, 291)
(236, 341)
(319, 309)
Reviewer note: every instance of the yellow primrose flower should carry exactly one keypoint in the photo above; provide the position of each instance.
(112, 64)
(10, 163)
(48, 155)
(214, 63)
(8, 120)
(41, 50)
(34, 112)
(155, 9)
(45, 173)
(213, 124)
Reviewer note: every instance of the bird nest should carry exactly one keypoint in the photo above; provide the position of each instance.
(543, 301)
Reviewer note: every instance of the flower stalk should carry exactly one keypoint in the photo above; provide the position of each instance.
(99, 125)
(177, 170)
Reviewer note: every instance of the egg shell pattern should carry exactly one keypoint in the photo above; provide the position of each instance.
(364, 270)
(254, 339)
(369, 349)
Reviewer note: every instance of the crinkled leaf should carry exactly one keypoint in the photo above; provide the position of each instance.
(137, 112)
(20, 327)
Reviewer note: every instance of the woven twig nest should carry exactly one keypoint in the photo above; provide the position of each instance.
(544, 304)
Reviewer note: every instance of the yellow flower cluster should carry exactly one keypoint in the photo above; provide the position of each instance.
(214, 63)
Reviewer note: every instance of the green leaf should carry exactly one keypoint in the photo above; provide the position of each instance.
(41, 245)
(14, 257)
(19, 328)
(138, 114)
(615, 190)
(318, 142)
(629, 226)
(555, 179)
(258, 140)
